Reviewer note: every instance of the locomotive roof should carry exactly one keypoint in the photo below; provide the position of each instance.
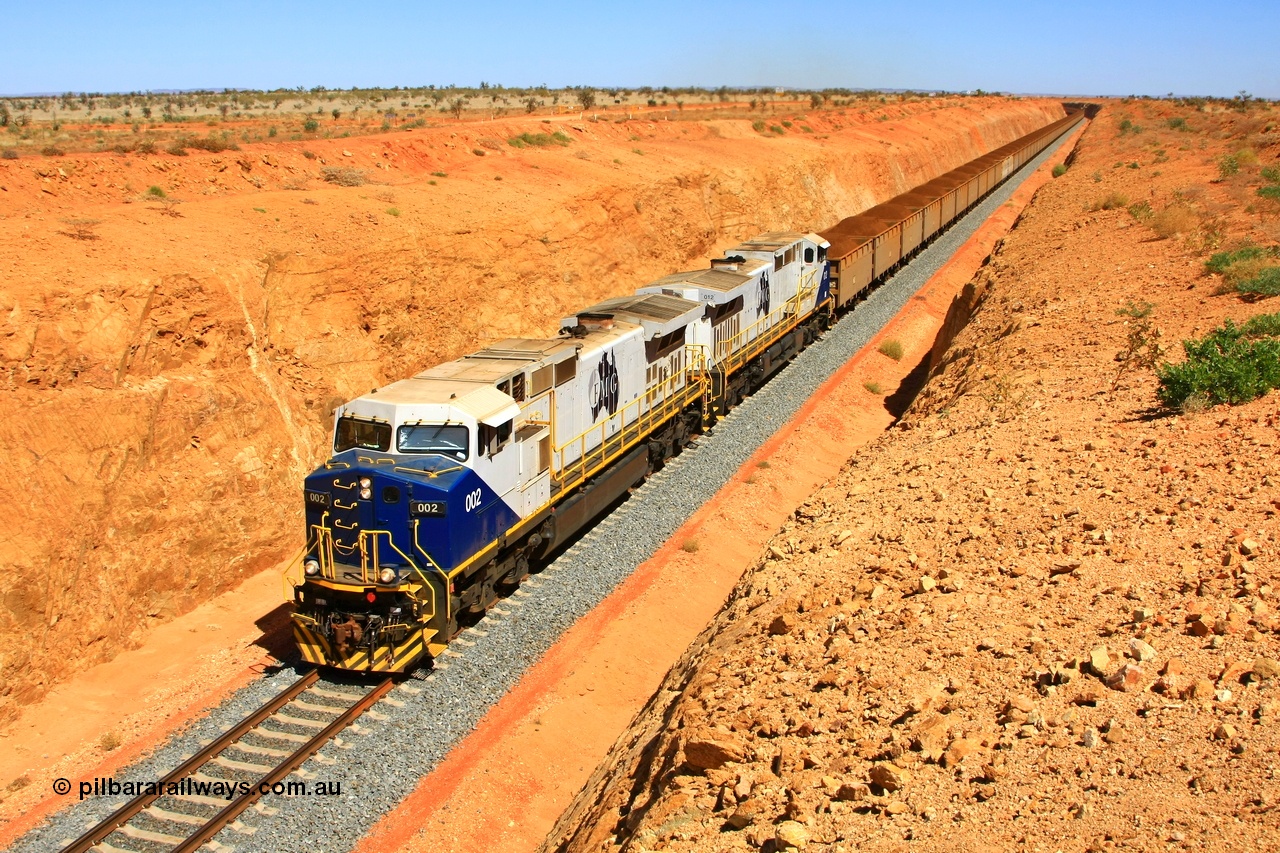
(479, 399)
(658, 307)
(527, 349)
(714, 279)
(495, 363)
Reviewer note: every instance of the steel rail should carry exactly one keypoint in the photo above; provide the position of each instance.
(122, 815)
(311, 747)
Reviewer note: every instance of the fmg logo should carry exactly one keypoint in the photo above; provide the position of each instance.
(602, 390)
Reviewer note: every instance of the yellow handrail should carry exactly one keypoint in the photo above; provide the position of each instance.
(738, 350)
(284, 576)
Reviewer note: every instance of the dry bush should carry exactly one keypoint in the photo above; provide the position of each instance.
(343, 176)
(81, 229)
(1174, 220)
(1113, 201)
(491, 143)
(892, 348)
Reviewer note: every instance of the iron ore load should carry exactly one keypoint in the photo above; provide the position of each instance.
(446, 489)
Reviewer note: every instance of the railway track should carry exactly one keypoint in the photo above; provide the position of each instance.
(285, 732)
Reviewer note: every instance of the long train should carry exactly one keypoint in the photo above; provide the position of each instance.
(446, 489)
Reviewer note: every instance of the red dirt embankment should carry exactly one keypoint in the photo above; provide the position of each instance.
(177, 329)
(1040, 613)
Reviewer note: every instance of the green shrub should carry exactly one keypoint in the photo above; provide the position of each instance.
(1250, 270)
(1135, 310)
(311, 125)
(1228, 165)
(1178, 123)
(1265, 283)
(1059, 170)
(52, 151)
(1220, 262)
(539, 140)
(758, 125)
(393, 211)
(1272, 189)
(1225, 366)
(1262, 326)
(1141, 211)
(156, 191)
(212, 143)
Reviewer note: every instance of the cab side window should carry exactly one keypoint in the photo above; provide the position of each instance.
(493, 439)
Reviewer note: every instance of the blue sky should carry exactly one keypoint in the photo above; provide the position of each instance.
(1083, 47)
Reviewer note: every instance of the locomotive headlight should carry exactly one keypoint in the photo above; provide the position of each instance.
(366, 493)
(387, 576)
(365, 482)
(311, 567)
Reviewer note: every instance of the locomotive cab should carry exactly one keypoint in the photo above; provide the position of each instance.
(411, 491)
(427, 474)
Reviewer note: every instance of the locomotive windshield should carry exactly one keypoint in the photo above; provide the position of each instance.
(368, 435)
(451, 441)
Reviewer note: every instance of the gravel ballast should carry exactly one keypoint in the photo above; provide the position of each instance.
(412, 730)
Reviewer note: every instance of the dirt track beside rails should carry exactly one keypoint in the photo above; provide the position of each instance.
(171, 362)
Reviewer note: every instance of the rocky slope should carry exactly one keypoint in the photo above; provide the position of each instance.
(1039, 614)
(177, 329)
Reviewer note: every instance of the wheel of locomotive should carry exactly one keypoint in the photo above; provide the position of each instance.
(680, 433)
(518, 572)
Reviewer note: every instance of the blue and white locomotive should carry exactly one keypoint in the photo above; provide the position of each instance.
(448, 488)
